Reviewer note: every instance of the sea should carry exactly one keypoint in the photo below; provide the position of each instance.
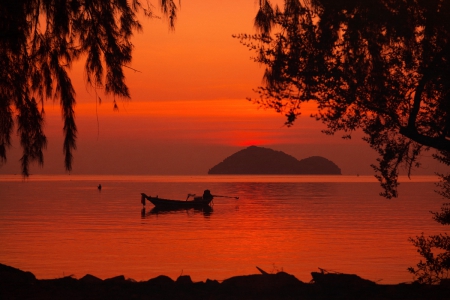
(57, 226)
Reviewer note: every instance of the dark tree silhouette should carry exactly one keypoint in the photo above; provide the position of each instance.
(435, 251)
(39, 41)
(380, 66)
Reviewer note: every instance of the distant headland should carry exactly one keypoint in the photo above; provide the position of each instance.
(266, 161)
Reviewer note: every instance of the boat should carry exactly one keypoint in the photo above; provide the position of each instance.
(197, 202)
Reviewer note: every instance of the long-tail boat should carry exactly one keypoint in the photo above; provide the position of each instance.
(196, 202)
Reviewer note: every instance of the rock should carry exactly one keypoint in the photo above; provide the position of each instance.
(212, 284)
(341, 280)
(88, 278)
(9, 275)
(345, 286)
(162, 281)
(116, 279)
(16, 284)
(262, 282)
(184, 280)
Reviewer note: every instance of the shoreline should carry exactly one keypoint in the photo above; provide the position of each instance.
(352, 178)
(18, 284)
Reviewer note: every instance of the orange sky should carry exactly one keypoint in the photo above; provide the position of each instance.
(188, 109)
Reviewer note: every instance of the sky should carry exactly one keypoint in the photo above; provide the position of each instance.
(188, 109)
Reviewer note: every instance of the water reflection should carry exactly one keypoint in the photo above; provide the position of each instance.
(279, 191)
(298, 226)
(206, 211)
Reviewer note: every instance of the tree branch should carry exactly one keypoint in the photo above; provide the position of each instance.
(439, 143)
(416, 105)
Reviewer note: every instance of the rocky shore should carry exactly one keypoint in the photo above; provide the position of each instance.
(18, 284)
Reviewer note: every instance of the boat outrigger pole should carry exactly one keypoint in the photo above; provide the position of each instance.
(226, 196)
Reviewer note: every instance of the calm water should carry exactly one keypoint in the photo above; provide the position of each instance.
(58, 226)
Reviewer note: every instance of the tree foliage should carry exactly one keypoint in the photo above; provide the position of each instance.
(39, 42)
(435, 265)
(379, 66)
(435, 251)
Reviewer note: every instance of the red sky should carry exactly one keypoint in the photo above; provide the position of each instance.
(188, 109)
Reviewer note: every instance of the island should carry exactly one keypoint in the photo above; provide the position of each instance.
(266, 161)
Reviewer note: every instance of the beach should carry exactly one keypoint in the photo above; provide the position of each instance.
(18, 284)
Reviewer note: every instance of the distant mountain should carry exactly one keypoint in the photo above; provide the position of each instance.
(259, 160)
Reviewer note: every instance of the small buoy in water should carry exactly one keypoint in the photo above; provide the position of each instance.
(99, 187)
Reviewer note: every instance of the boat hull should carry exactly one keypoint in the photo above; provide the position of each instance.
(178, 203)
(174, 204)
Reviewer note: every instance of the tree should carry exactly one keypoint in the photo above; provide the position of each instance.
(435, 250)
(39, 41)
(379, 66)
